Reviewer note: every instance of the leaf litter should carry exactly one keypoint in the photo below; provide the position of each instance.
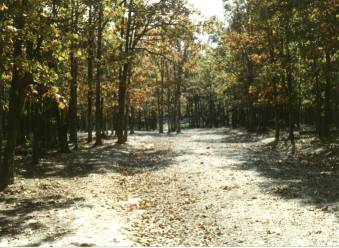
(189, 190)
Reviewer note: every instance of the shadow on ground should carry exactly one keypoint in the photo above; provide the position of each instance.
(22, 214)
(291, 177)
(123, 159)
(21, 207)
(227, 136)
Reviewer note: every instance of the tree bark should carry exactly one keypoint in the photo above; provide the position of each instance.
(123, 80)
(36, 134)
(132, 121)
(98, 114)
(2, 85)
(2, 95)
(161, 98)
(328, 89)
(122, 104)
(74, 78)
(177, 99)
(275, 90)
(289, 79)
(169, 113)
(90, 60)
(62, 130)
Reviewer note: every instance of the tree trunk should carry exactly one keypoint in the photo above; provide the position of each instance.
(2, 95)
(37, 139)
(132, 122)
(289, 80)
(98, 114)
(74, 80)
(161, 99)
(62, 130)
(169, 114)
(73, 102)
(178, 101)
(2, 85)
(328, 89)
(126, 122)
(123, 80)
(122, 104)
(318, 100)
(336, 111)
(90, 59)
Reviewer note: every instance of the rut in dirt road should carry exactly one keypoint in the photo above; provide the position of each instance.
(202, 187)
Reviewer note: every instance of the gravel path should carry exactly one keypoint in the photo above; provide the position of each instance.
(203, 187)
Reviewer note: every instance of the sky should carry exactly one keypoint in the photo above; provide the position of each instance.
(209, 8)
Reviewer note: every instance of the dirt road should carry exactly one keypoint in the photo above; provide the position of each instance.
(202, 187)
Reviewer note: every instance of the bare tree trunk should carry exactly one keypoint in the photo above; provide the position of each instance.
(74, 80)
(328, 89)
(90, 59)
(161, 98)
(37, 129)
(2, 85)
(2, 93)
(132, 121)
(126, 121)
(169, 114)
(123, 81)
(98, 114)
(178, 96)
(122, 105)
(62, 130)
(275, 90)
(289, 79)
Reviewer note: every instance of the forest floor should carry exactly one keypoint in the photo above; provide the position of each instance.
(215, 187)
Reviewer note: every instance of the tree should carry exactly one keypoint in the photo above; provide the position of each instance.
(142, 18)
